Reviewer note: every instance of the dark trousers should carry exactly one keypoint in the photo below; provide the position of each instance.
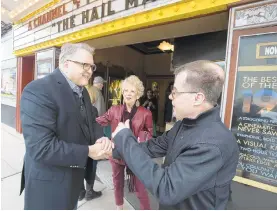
(90, 184)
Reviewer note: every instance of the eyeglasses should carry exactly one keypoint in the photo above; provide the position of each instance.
(86, 66)
(173, 93)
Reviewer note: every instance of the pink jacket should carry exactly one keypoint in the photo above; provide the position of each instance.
(142, 121)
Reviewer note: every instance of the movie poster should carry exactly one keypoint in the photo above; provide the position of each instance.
(8, 85)
(254, 121)
(114, 94)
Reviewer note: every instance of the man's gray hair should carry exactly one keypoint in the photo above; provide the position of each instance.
(203, 76)
(69, 49)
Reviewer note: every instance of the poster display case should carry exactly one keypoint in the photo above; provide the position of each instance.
(46, 61)
(254, 119)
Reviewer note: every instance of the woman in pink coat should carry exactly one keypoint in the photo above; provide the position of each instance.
(141, 125)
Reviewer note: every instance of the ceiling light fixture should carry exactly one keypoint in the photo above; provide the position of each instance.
(166, 47)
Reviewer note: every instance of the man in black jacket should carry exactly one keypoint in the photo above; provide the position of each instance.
(201, 154)
(61, 135)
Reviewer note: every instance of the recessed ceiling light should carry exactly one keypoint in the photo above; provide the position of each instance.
(165, 46)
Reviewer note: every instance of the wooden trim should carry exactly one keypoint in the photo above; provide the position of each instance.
(18, 95)
(25, 74)
(233, 66)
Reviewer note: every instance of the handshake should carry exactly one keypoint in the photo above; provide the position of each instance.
(102, 149)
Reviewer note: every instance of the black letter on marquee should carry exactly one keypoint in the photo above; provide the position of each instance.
(110, 11)
(85, 16)
(59, 25)
(94, 14)
(130, 3)
(72, 19)
(103, 10)
(65, 24)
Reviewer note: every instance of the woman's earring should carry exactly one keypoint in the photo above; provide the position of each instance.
(137, 103)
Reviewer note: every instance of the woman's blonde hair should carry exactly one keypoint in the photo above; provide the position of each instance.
(136, 82)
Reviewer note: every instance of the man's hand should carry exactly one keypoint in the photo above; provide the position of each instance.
(120, 127)
(106, 143)
(102, 149)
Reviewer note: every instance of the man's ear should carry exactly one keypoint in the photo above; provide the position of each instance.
(199, 98)
(65, 64)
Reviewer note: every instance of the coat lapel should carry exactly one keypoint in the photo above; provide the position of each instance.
(70, 99)
(88, 111)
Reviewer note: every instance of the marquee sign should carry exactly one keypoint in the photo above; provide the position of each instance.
(71, 16)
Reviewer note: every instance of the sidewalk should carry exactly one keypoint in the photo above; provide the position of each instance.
(13, 149)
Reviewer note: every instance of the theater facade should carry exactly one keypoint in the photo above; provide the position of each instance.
(151, 37)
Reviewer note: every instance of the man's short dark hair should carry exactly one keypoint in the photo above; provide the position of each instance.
(203, 76)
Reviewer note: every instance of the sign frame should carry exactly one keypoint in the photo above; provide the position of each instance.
(234, 34)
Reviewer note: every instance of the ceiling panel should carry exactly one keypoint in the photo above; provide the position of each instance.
(13, 10)
(217, 22)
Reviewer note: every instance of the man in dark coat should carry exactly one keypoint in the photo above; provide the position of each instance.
(88, 192)
(61, 135)
(201, 154)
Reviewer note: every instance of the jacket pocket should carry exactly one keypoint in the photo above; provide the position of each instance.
(47, 175)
